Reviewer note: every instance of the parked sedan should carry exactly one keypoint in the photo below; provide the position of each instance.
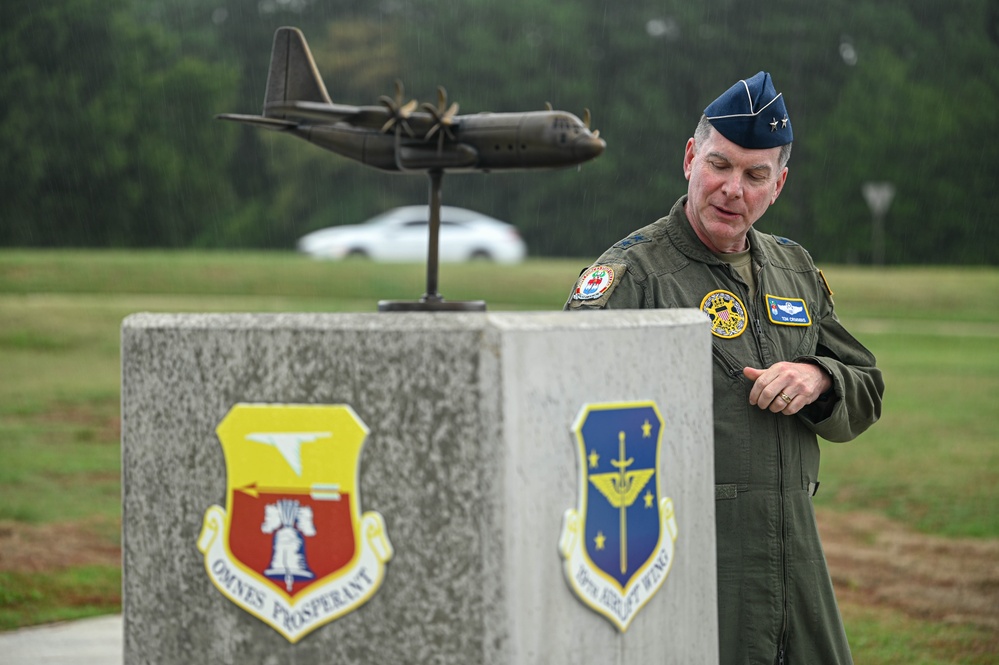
(401, 234)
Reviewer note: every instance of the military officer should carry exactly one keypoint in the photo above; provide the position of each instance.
(785, 371)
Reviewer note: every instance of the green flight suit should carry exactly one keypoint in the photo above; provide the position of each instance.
(775, 597)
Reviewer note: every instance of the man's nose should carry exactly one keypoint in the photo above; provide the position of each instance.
(732, 187)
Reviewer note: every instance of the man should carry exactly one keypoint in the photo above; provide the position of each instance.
(784, 370)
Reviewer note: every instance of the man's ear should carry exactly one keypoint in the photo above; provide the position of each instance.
(688, 157)
(781, 179)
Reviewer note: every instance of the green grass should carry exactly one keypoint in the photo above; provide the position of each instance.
(74, 593)
(279, 281)
(932, 296)
(932, 463)
(61, 462)
(887, 637)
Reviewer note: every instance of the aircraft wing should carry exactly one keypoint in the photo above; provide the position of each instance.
(367, 117)
(275, 124)
(315, 110)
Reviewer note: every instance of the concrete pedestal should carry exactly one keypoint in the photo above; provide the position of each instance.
(470, 460)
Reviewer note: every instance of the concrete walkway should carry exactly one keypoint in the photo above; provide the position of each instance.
(96, 641)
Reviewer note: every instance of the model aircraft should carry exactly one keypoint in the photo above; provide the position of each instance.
(397, 136)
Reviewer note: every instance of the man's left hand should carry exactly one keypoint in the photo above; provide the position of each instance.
(787, 387)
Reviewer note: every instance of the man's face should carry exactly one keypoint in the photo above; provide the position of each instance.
(730, 187)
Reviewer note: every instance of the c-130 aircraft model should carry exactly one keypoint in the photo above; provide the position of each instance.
(413, 137)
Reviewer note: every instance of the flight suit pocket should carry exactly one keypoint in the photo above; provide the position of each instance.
(731, 408)
(807, 338)
(727, 491)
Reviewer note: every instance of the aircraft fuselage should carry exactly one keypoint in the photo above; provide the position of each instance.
(482, 142)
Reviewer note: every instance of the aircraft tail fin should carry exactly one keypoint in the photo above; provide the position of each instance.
(293, 76)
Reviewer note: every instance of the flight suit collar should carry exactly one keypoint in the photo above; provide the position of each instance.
(685, 239)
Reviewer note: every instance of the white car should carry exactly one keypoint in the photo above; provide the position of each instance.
(401, 234)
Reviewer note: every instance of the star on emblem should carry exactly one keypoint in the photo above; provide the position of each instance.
(773, 125)
(649, 499)
(600, 540)
(594, 459)
(646, 429)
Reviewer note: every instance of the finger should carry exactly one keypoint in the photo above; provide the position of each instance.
(765, 394)
(757, 394)
(797, 403)
(781, 402)
(794, 407)
(753, 375)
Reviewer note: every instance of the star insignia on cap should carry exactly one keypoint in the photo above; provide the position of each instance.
(773, 125)
(783, 123)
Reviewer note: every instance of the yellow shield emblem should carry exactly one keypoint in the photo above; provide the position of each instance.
(291, 546)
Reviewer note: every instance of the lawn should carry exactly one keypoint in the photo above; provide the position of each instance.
(932, 464)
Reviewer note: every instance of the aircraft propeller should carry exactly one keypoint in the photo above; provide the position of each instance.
(399, 112)
(586, 119)
(444, 118)
(586, 123)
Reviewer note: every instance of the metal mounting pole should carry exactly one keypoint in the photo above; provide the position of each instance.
(432, 301)
(433, 247)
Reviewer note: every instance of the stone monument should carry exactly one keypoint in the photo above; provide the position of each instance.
(418, 488)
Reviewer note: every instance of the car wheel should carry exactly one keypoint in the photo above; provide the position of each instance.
(357, 253)
(481, 255)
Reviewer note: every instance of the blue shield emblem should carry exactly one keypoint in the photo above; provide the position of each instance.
(618, 545)
(622, 495)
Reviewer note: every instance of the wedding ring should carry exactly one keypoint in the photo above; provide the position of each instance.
(787, 400)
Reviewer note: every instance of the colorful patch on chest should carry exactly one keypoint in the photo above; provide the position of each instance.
(727, 314)
(788, 311)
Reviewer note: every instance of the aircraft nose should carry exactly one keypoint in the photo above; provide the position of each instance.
(588, 147)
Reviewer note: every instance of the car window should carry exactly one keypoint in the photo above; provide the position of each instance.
(418, 223)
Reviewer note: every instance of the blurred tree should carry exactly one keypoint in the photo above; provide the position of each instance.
(105, 115)
(99, 132)
(914, 109)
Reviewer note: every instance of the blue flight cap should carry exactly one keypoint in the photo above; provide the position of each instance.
(751, 114)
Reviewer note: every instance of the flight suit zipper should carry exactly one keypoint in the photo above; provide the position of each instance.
(782, 639)
(782, 522)
(758, 334)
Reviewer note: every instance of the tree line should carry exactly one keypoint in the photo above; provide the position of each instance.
(108, 136)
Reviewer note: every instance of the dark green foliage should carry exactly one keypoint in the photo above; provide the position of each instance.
(101, 129)
(108, 139)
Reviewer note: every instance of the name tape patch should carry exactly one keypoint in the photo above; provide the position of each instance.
(788, 311)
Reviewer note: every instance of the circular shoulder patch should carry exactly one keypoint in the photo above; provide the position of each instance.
(594, 282)
(727, 314)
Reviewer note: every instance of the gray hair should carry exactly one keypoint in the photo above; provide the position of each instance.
(703, 133)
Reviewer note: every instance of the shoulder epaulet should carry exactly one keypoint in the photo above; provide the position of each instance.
(633, 239)
(781, 240)
(596, 284)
